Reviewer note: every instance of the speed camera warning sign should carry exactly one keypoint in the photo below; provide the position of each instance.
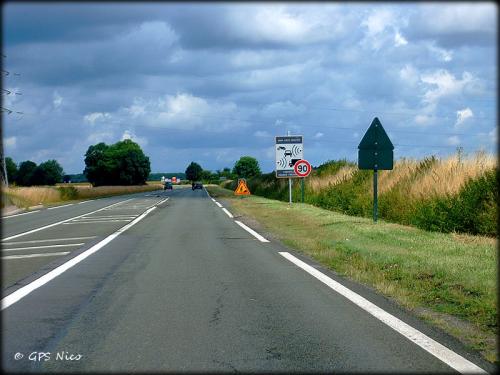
(289, 150)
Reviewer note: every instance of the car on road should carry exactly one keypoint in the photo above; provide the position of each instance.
(197, 185)
(168, 185)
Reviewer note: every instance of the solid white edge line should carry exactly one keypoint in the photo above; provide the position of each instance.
(65, 205)
(61, 222)
(25, 213)
(25, 290)
(44, 247)
(228, 213)
(218, 204)
(35, 255)
(251, 231)
(213, 200)
(438, 350)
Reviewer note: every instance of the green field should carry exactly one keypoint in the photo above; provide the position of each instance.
(447, 279)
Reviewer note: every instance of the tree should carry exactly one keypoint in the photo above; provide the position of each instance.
(122, 163)
(246, 167)
(11, 167)
(25, 173)
(194, 171)
(47, 173)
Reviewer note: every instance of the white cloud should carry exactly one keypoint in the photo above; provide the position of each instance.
(10, 142)
(409, 75)
(382, 27)
(130, 135)
(262, 134)
(378, 20)
(452, 18)
(443, 85)
(283, 109)
(318, 135)
(463, 115)
(57, 100)
(183, 111)
(423, 119)
(441, 53)
(279, 23)
(94, 117)
(104, 136)
(399, 40)
(453, 140)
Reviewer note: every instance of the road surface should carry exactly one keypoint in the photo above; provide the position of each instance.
(182, 286)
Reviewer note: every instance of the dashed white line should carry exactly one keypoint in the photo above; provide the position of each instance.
(26, 213)
(227, 213)
(439, 351)
(63, 221)
(65, 205)
(44, 247)
(51, 240)
(91, 200)
(24, 291)
(251, 231)
(35, 255)
(218, 204)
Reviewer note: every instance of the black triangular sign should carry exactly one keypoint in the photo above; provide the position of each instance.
(375, 138)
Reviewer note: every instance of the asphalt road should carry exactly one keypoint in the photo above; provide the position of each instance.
(186, 289)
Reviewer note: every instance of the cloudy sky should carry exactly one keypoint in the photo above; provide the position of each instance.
(213, 82)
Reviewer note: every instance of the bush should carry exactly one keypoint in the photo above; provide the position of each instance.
(68, 192)
(473, 210)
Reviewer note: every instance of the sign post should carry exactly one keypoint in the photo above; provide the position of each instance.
(375, 151)
(302, 168)
(289, 150)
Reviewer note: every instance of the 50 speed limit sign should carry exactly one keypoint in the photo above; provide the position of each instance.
(302, 168)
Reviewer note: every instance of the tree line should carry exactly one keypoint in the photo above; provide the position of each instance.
(245, 167)
(122, 163)
(28, 173)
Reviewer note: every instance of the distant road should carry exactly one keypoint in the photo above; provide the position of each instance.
(170, 281)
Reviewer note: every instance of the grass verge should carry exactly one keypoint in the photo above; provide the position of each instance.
(446, 279)
(24, 197)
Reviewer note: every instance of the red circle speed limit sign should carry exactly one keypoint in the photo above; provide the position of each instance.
(302, 168)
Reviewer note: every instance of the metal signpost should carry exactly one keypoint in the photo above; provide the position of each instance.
(375, 151)
(289, 150)
(302, 169)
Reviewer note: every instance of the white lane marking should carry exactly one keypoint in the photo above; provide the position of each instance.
(52, 240)
(66, 205)
(35, 255)
(26, 213)
(44, 247)
(439, 351)
(114, 216)
(62, 222)
(251, 231)
(91, 200)
(159, 202)
(218, 204)
(213, 200)
(228, 213)
(95, 222)
(25, 290)
(105, 218)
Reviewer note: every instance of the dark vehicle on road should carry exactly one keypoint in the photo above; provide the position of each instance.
(197, 185)
(168, 185)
